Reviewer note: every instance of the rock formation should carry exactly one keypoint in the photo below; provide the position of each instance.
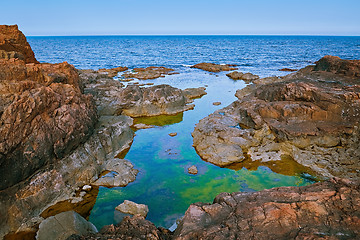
(149, 73)
(327, 210)
(310, 116)
(212, 67)
(133, 208)
(112, 72)
(247, 77)
(13, 44)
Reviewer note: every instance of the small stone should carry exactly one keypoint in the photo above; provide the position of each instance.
(172, 134)
(133, 208)
(216, 103)
(86, 188)
(150, 83)
(193, 170)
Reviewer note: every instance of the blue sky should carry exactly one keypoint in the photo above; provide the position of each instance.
(108, 17)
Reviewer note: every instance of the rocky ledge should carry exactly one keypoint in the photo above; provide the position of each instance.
(311, 116)
(149, 73)
(212, 67)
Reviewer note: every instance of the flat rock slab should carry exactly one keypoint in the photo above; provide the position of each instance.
(212, 67)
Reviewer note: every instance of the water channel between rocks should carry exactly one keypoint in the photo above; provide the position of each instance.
(164, 183)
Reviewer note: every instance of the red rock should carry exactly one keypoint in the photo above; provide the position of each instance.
(337, 65)
(13, 40)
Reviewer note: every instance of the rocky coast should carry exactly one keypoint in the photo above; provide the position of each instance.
(64, 133)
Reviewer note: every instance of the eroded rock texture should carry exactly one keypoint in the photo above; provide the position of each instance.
(328, 210)
(13, 44)
(310, 116)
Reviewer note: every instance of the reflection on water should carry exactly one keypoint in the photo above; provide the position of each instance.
(163, 182)
(161, 120)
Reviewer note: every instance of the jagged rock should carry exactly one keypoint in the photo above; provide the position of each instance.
(121, 173)
(136, 227)
(13, 44)
(43, 116)
(307, 116)
(149, 73)
(193, 170)
(247, 77)
(133, 208)
(323, 210)
(22, 203)
(63, 225)
(212, 67)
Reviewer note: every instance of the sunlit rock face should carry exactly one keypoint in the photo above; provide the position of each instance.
(328, 209)
(310, 116)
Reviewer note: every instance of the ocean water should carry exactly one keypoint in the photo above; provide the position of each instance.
(163, 182)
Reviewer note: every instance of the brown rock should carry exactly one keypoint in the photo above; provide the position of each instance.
(310, 116)
(172, 134)
(339, 66)
(216, 103)
(13, 44)
(247, 77)
(133, 208)
(288, 70)
(149, 73)
(212, 67)
(192, 93)
(193, 170)
(112, 72)
(310, 212)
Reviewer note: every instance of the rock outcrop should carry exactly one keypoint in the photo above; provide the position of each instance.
(327, 210)
(112, 72)
(212, 67)
(149, 73)
(310, 116)
(13, 44)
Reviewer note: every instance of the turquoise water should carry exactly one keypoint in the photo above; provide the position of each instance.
(163, 182)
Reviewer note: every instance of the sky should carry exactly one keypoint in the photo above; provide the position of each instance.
(168, 17)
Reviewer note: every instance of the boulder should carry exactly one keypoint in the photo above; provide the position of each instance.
(309, 116)
(13, 44)
(212, 67)
(192, 93)
(328, 210)
(337, 65)
(133, 208)
(63, 225)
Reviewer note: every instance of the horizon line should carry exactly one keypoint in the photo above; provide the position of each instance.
(108, 35)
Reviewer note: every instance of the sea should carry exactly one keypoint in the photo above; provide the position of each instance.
(163, 182)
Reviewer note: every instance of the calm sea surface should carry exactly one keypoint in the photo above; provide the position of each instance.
(163, 182)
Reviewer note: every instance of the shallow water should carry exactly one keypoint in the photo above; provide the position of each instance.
(163, 182)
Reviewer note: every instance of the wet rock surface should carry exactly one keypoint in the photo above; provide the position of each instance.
(149, 73)
(212, 67)
(327, 210)
(133, 208)
(310, 116)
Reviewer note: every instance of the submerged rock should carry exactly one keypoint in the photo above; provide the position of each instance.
(149, 73)
(329, 209)
(133, 208)
(212, 67)
(193, 170)
(63, 225)
(309, 116)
